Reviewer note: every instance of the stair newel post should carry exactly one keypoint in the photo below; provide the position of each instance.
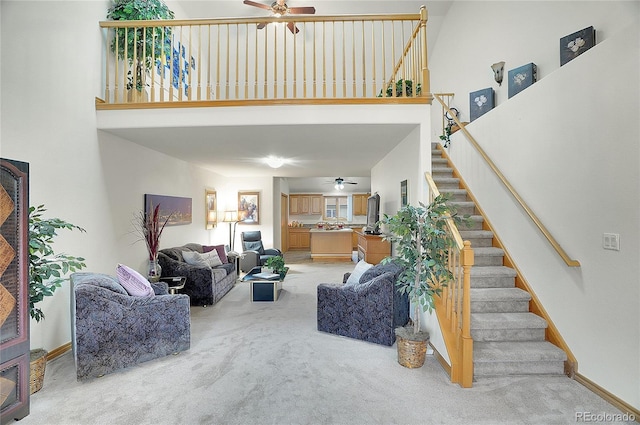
(423, 38)
(467, 341)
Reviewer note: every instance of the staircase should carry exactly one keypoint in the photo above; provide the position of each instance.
(508, 339)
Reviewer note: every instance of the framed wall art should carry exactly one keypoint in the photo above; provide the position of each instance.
(522, 77)
(178, 209)
(210, 209)
(404, 194)
(573, 45)
(249, 207)
(480, 102)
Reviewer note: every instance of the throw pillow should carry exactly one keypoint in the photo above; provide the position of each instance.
(207, 259)
(361, 267)
(222, 254)
(133, 282)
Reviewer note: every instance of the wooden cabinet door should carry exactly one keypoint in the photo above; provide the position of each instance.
(360, 204)
(294, 207)
(14, 291)
(317, 204)
(294, 240)
(305, 240)
(304, 204)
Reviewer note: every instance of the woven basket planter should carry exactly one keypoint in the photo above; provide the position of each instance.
(38, 362)
(412, 350)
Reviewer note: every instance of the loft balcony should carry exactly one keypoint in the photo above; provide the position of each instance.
(364, 59)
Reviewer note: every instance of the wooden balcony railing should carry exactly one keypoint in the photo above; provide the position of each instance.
(453, 306)
(349, 59)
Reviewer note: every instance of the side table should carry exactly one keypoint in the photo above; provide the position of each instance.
(234, 258)
(175, 283)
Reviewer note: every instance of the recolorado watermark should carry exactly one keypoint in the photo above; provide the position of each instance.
(604, 417)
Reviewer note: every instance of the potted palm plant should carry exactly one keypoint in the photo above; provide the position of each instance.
(422, 245)
(47, 272)
(140, 46)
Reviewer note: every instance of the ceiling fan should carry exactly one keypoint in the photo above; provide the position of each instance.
(279, 8)
(340, 182)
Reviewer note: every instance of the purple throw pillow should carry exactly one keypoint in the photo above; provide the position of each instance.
(133, 282)
(220, 249)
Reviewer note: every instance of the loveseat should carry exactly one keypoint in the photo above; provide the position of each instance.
(205, 285)
(369, 308)
(112, 330)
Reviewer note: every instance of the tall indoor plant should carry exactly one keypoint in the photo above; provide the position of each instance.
(140, 45)
(47, 271)
(150, 226)
(422, 246)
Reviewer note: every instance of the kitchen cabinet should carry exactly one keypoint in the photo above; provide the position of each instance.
(360, 203)
(304, 204)
(299, 239)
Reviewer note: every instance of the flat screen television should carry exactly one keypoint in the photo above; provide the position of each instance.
(373, 215)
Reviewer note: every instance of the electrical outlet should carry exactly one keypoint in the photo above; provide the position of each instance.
(611, 241)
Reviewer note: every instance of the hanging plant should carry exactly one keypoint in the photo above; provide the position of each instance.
(400, 84)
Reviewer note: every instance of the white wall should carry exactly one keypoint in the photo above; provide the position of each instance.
(87, 177)
(569, 145)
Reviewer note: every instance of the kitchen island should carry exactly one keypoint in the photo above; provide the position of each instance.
(331, 245)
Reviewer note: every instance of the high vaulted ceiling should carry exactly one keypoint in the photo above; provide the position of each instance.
(318, 152)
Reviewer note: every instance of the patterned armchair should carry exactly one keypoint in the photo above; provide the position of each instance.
(369, 310)
(112, 330)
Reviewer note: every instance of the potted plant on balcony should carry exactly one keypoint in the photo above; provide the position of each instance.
(47, 272)
(140, 45)
(422, 245)
(400, 87)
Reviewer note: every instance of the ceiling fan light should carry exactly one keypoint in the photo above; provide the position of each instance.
(274, 161)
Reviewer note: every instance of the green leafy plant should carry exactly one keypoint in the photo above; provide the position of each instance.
(47, 269)
(276, 263)
(408, 86)
(446, 136)
(422, 244)
(141, 45)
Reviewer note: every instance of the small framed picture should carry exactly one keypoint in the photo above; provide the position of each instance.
(480, 102)
(404, 194)
(573, 45)
(210, 209)
(249, 207)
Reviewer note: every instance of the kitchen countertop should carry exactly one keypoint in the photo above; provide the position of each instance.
(331, 231)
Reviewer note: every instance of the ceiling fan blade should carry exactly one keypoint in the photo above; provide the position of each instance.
(262, 25)
(260, 5)
(350, 182)
(292, 27)
(310, 10)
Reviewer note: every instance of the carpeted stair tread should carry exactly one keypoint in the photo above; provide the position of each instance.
(513, 351)
(492, 271)
(441, 181)
(507, 321)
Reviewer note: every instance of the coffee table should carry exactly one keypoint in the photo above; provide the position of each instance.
(264, 286)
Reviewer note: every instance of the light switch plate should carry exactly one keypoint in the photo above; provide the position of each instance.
(611, 241)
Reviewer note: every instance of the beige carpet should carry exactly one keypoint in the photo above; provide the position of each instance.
(265, 363)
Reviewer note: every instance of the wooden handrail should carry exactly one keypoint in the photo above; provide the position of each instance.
(453, 306)
(570, 262)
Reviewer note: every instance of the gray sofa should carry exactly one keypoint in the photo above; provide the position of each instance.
(205, 286)
(112, 330)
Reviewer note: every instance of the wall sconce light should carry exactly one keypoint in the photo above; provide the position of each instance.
(498, 72)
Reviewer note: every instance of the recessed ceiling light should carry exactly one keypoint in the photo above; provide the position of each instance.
(275, 161)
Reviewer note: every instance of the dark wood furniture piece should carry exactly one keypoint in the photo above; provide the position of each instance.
(14, 290)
